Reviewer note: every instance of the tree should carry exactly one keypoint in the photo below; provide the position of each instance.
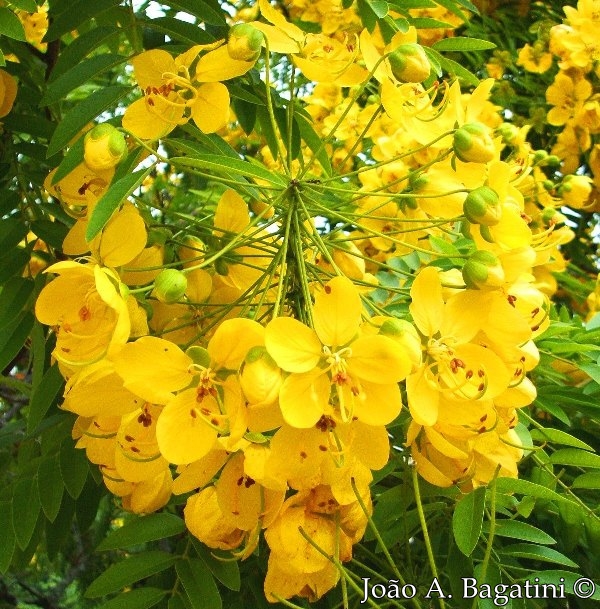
(299, 303)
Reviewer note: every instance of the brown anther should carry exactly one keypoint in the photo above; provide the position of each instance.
(340, 378)
(249, 482)
(483, 418)
(325, 424)
(303, 455)
(511, 300)
(129, 438)
(518, 372)
(150, 101)
(81, 190)
(135, 449)
(480, 373)
(535, 312)
(481, 429)
(535, 328)
(214, 421)
(322, 448)
(455, 364)
(481, 387)
(193, 413)
(84, 314)
(327, 289)
(240, 481)
(469, 374)
(145, 418)
(355, 391)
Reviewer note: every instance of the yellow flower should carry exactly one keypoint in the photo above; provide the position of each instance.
(567, 95)
(534, 59)
(8, 92)
(362, 372)
(87, 310)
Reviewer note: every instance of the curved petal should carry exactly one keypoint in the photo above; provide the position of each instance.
(293, 346)
(210, 111)
(303, 398)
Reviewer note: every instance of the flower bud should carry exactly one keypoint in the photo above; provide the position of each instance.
(104, 147)
(482, 206)
(261, 377)
(483, 271)
(473, 144)
(199, 355)
(575, 191)
(409, 63)
(170, 285)
(244, 42)
(508, 132)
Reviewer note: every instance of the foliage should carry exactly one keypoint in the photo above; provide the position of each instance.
(296, 296)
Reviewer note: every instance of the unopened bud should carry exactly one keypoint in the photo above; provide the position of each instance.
(409, 63)
(260, 378)
(508, 132)
(473, 144)
(104, 147)
(575, 191)
(170, 285)
(199, 355)
(482, 206)
(483, 271)
(244, 42)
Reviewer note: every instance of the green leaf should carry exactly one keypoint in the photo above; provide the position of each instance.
(314, 142)
(43, 396)
(75, 14)
(13, 265)
(427, 22)
(534, 552)
(198, 584)
(179, 30)
(53, 233)
(140, 598)
(451, 5)
(81, 46)
(379, 7)
(460, 43)
(226, 571)
(129, 571)
(74, 468)
(142, 529)
(80, 74)
(556, 436)
(9, 202)
(10, 26)
(12, 232)
(13, 297)
(84, 112)
(575, 457)
(589, 480)
(25, 5)
(207, 11)
(111, 200)
(7, 547)
(13, 337)
(467, 520)
(554, 577)
(224, 164)
(520, 530)
(25, 509)
(50, 486)
(525, 487)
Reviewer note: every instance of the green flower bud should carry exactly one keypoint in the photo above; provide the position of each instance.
(244, 42)
(199, 355)
(104, 147)
(473, 144)
(575, 191)
(158, 236)
(539, 156)
(482, 206)
(170, 285)
(508, 132)
(483, 271)
(406, 335)
(409, 63)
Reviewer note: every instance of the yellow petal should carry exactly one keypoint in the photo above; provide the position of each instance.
(371, 445)
(232, 341)
(294, 346)
(151, 122)
(375, 404)
(217, 66)
(303, 398)
(199, 473)
(423, 399)
(123, 238)
(149, 66)
(74, 244)
(427, 307)
(337, 312)
(231, 216)
(210, 111)
(379, 359)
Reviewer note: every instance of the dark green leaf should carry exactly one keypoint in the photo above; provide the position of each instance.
(25, 5)
(575, 457)
(25, 509)
(520, 530)
(467, 520)
(207, 11)
(112, 198)
(74, 468)
(9, 201)
(60, 530)
(14, 264)
(142, 529)
(179, 30)
(13, 337)
(451, 5)
(198, 584)
(53, 233)
(43, 396)
(81, 73)
(12, 232)
(140, 598)
(460, 43)
(10, 26)
(76, 13)
(13, 297)
(84, 112)
(7, 547)
(226, 571)
(535, 552)
(50, 486)
(129, 571)
(223, 165)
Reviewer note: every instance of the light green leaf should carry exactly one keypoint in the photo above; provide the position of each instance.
(534, 552)
(575, 457)
(84, 112)
(25, 5)
(314, 142)
(379, 7)
(590, 480)
(13, 297)
(43, 395)
(198, 584)
(112, 198)
(140, 598)
(556, 436)
(525, 487)
(50, 486)
(25, 509)
(554, 577)
(460, 43)
(129, 571)
(10, 26)
(143, 529)
(223, 164)
(81, 73)
(520, 530)
(467, 520)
